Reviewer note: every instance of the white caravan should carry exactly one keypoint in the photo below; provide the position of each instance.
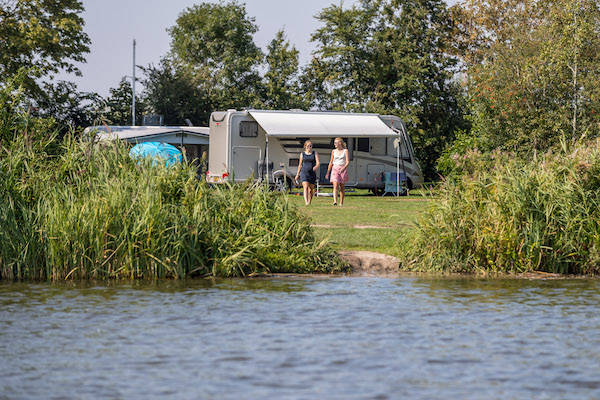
(243, 143)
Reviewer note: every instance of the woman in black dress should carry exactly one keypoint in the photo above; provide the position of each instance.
(309, 164)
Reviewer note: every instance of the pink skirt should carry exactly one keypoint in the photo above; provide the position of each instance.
(337, 175)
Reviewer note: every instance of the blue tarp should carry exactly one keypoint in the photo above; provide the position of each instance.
(167, 153)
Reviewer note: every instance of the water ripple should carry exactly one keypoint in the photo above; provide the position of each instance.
(305, 338)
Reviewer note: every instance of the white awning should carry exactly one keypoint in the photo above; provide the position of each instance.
(321, 124)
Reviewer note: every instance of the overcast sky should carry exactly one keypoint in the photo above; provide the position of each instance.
(113, 24)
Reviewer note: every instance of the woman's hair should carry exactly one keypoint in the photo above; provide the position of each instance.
(306, 142)
(341, 141)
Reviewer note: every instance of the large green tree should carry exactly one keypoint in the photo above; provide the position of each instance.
(532, 68)
(214, 42)
(173, 91)
(281, 86)
(44, 36)
(390, 56)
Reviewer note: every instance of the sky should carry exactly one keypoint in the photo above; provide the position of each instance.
(113, 24)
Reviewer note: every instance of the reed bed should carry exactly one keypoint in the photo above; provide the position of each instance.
(512, 216)
(77, 210)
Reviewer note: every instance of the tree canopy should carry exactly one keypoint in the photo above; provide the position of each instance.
(214, 42)
(532, 68)
(43, 36)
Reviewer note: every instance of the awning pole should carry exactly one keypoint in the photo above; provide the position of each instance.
(398, 168)
(267, 156)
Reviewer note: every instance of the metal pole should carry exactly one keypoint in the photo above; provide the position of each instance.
(267, 156)
(133, 89)
(398, 167)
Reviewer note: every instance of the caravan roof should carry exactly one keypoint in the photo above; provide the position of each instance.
(324, 124)
(194, 134)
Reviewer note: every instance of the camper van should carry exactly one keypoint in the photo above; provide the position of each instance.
(265, 145)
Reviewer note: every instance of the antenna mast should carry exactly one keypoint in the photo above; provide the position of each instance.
(133, 89)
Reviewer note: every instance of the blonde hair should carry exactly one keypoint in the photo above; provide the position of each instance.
(339, 139)
(305, 142)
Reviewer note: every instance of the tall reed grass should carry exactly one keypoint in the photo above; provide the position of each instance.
(78, 210)
(509, 215)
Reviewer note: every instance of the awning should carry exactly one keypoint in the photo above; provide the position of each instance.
(321, 124)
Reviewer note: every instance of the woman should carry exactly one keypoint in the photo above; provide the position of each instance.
(338, 166)
(309, 164)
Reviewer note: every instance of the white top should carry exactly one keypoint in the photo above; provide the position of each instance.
(339, 158)
(323, 124)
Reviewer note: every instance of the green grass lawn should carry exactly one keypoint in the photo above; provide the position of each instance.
(365, 222)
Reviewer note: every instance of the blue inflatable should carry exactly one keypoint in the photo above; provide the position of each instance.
(164, 152)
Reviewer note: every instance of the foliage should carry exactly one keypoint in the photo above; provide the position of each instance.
(172, 91)
(390, 56)
(281, 85)
(70, 108)
(507, 215)
(214, 42)
(42, 36)
(532, 68)
(117, 106)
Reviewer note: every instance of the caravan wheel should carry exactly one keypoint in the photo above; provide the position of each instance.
(283, 184)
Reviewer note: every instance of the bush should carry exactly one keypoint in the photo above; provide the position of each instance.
(506, 215)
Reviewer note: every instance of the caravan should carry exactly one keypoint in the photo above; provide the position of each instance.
(265, 145)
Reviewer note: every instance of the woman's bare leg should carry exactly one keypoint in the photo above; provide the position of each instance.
(341, 185)
(306, 193)
(311, 192)
(335, 192)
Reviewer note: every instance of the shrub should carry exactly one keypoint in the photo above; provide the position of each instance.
(507, 215)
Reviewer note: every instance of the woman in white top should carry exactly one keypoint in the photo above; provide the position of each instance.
(338, 166)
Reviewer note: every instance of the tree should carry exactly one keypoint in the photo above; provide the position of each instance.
(173, 91)
(532, 69)
(118, 104)
(214, 43)
(71, 109)
(390, 56)
(281, 86)
(44, 36)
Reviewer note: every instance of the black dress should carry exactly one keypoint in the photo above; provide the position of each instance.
(307, 174)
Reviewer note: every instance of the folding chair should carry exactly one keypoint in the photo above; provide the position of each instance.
(393, 185)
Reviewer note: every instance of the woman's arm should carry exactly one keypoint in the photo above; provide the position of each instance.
(318, 163)
(330, 165)
(299, 166)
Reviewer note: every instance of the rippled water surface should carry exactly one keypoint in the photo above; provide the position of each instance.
(302, 338)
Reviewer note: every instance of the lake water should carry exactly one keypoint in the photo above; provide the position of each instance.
(302, 338)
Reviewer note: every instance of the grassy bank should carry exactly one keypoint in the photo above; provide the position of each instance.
(366, 222)
(506, 215)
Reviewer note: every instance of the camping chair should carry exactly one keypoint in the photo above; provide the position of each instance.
(390, 181)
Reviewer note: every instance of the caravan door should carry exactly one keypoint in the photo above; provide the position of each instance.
(245, 162)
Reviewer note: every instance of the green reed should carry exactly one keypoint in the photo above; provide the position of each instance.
(506, 215)
(80, 210)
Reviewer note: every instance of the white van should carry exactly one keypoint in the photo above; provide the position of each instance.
(244, 143)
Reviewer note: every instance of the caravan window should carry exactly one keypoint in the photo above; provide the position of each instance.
(378, 146)
(362, 144)
(393, 148)
(248, 129)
